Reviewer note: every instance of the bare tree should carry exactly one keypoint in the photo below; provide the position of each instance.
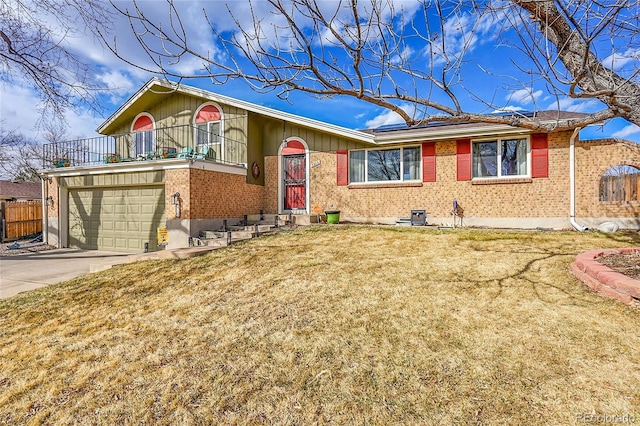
(12, 143)
(35, 49)
(21, 157)
(397, 53)
(579, 51)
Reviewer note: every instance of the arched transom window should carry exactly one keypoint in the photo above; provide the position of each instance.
(143, 133)
(208, 122)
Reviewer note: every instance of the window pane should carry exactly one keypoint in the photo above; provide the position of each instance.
(139, 143)
(411, 160)
(383, 165)
(485, 159)
(356, 166)
(144, 142)
(202, 133)
(214, 132)
(148, 139)
(514, 157)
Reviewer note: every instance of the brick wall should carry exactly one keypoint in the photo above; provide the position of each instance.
(593, 158)
(177, 180)
(52, 190)
(214, 194)
(540, 197)
(271, 184)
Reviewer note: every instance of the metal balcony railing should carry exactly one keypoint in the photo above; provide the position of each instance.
(156, 144)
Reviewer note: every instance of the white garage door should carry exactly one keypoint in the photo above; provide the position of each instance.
(116, 219)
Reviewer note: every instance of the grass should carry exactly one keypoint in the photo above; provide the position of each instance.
(343, 325)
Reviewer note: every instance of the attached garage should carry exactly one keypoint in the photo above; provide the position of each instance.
(116, 218)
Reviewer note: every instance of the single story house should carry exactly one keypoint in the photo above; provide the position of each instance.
(20, 191)
(184, 159)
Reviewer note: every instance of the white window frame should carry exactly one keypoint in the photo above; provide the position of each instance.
(386, 148)
(220, 156)
(498, 141)
(146, 135)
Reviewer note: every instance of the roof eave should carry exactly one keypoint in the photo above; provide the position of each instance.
(291, 118)
(448, 133)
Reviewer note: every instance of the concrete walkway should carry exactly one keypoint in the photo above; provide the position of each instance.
(28, 271)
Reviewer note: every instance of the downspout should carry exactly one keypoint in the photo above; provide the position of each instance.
(572, 181)
(45, 212)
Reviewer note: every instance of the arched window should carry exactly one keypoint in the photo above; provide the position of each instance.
(143, 133)
(208, 123)
(620, 183)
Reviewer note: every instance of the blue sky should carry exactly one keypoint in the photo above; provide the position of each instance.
(489, 73)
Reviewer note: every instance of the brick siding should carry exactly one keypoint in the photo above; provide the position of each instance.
(209, 194)
(541, 197)
(506, 198)
(593, 159)
(52, 191)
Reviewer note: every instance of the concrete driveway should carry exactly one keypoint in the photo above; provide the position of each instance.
(28, 271)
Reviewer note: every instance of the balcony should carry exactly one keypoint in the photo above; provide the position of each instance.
(158, 144)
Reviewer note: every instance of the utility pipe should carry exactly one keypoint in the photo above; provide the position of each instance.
(45, 212)
(572, 181)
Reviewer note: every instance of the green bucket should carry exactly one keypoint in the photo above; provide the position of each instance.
(333, 216)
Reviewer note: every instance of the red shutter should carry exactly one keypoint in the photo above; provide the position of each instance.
(539, 156)
(429, 162)
(342, 161)
(463, 159)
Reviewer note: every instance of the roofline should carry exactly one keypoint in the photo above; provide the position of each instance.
(270, 112)
(430, 134)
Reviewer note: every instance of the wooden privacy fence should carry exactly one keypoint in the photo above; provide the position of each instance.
(620, 188)
(20, 218)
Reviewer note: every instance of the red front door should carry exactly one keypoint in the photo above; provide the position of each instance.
(295, 182)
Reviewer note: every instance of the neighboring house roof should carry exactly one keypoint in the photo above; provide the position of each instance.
(440, 130)
(20, 190)
(146, 97)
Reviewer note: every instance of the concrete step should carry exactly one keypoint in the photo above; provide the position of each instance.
(262, 227)
(142, 256)
(185, 253)
(237, 232)
(235, 235)
(212, 240)
(305, 219)
(181, 253)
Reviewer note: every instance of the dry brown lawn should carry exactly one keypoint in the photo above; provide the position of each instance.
(334, 324)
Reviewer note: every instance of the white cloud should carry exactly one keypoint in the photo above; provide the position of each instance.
(618, 61)
(626, 131)
(508, 108)
(389, 117)
(573, 105)
(463, 33)
(118, 85)
(524, 96)
(404, 56)
(19, 110)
